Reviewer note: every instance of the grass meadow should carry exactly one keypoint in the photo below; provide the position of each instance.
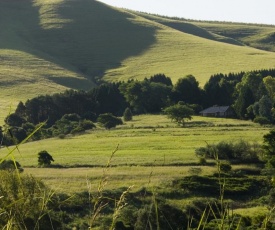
(148, 145)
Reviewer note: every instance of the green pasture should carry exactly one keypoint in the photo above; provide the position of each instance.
(83, 179)
(160, 143)
(69, 44)
(148, 144)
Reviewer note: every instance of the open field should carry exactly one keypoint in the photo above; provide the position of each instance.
(148, 144)
(79, 179)
(69, 44)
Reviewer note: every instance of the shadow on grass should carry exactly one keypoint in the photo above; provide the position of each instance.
(89, 37)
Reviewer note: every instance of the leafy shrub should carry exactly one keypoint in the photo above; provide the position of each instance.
(225, 167)
(127, 115)
(240, 151)
(262, 120)
(87, 124)
(10, 165)
(78, 129)
(71, 117)
(109, 121)
(44, 158)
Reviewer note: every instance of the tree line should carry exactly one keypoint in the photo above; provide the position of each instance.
(250, 94)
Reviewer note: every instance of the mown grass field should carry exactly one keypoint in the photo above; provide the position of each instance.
(67, 44)
(148, 144)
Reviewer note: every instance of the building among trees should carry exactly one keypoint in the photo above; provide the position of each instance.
(217, 111)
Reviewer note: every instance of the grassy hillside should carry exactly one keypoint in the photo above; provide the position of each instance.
(183, 48)
(254, 35)
(48, 46)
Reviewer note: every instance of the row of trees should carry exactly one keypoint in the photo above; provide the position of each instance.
(251, 94)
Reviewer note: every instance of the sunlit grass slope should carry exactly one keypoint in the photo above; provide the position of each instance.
(47, 46)
(189, 49)
(254, 35)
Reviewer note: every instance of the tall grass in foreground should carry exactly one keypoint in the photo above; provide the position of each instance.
(224, 218)
(30, 208)
(100, 201)
(24, 201)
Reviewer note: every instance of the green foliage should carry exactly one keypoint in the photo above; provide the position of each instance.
(87, 124)
(265, 106)
(127, 115)
(269, 143)
(44, 158)
(269, 83)
(241, 151)
(234, 186)
(14, 120)
(244, 100)
(179, 113)
(25, 203)
(261, 120)
(161, 78)
(145, 96)
(225, 167)
(187, 90)
(10, 165)
(71, 124)
(109, 121)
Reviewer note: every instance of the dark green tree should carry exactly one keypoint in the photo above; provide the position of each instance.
(269, 143)
(21, 110)
(109, 121)
(244, 100)
(108, 99)
(14, 120)
(265, 106)
(44, 158)
(187, 89)
(127, 115)
(161, 78)
(146, 96)
(179, 113)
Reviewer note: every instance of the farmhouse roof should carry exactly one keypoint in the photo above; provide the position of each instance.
(215, 109)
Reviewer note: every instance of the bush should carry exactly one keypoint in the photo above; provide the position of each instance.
(262, 120)
(87, 124)
(127, 115)
(225, 167)
(109, 121)
(44, 158)
(10, 165)
(240, 151)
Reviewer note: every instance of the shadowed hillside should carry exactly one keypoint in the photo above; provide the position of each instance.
(89, 35)
(47, 46)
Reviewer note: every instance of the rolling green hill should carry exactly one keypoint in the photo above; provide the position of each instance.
(47, 46)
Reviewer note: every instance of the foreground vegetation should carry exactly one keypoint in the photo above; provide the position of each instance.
(158, 158)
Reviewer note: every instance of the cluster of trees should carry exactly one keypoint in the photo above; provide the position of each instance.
(251, 95)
